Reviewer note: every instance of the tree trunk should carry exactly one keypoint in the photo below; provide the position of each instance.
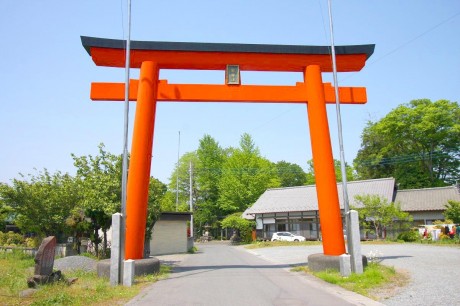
(377, 231)
(78, 245)
(96, 241)
(104, 244)
(146, 248)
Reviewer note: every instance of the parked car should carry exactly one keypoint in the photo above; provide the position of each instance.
(286, 236)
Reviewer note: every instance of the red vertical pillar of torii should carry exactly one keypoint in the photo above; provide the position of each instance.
(323, 164)
(140, 161)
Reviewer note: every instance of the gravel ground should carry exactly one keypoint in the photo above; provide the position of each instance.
(75, 263)
(434, 270)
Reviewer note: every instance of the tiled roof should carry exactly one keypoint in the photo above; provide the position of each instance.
(303, 198)
(427, 199)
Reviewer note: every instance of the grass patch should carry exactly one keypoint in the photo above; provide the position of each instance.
(377, 282)
(15, 268)
(455, 242)
(269, 244)
(192, 250)
(444, 242)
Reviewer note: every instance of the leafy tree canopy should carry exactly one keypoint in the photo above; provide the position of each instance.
(310, 175)
(41, 203)
(157, 190)
(5, 210)
(210, 159)
(453, 211)
(242, 227)
(376, 214)
(417, 143)
(99, 182)
(290, 174)
(181, 178)
(245, 176)
(99, 179)
(208, 173)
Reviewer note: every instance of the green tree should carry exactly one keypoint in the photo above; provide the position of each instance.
(41, 203)
(99, 181)
(78, 226)
(245, 176)
(290, 174)
(242, 228)
(452, 211)
(157, 190)
(311, 179)
(5, 210)
(168, 202)
(417, 143)
(207, 174)
(182, 172)
(377, 215)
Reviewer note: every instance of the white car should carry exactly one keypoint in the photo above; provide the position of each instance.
(286, 236)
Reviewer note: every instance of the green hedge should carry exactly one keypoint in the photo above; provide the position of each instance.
(409, 236)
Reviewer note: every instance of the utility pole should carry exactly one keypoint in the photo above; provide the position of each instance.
(353, 246)
(191, 199)
(177, 174)
(124, 176)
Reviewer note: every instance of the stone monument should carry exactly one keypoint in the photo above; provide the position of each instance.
(44, 262)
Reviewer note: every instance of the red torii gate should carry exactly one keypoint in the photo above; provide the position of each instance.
(150, 57)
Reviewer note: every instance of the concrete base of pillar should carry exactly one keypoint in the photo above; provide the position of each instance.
(142, 267)
(321, 262)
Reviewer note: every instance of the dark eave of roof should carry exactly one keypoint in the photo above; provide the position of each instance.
(175, 216)
(89, 42)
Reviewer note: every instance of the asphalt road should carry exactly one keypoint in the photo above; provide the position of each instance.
(220, 274)
(434, 270)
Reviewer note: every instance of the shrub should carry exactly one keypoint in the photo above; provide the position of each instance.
(409, 236)
(443, 236)
(13, 239)
(242, 226)
(33, 242)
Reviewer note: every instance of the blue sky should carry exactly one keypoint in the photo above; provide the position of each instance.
(45, 76)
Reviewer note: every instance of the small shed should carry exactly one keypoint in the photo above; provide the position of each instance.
(170, 234)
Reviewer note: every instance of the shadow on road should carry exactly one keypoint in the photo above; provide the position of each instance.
(185, 271)
(395, 257)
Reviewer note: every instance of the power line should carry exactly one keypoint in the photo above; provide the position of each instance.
(414, 39)
(409, 158)
(371, 63)
(378, 59)
(396, 159)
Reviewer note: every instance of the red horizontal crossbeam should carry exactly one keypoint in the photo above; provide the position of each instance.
(219, 60)
(227, 93)
(216, 56)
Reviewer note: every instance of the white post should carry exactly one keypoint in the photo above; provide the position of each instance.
(345, 267)
(355, 243)
(115, 253)
(128, 273)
